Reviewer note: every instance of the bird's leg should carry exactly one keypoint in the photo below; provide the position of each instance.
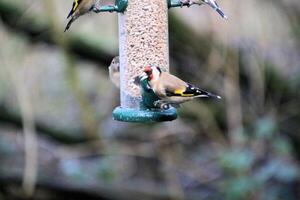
(96, 7)
(183, 3)
(190, 2)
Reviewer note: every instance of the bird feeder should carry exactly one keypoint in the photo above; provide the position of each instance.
(120, 6)
(143, 41)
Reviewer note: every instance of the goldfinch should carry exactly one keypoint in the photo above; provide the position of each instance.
(170, 89)
(114, 71)
(212, 3)
(79, 7)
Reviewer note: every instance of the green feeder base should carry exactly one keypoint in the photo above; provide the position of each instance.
(143, 116)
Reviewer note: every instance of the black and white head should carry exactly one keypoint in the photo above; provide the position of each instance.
(153, 73)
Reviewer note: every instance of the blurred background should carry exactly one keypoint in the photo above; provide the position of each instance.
(58, 139)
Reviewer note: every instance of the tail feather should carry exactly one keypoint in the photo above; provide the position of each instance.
(221, 13)
(214, 96)
(202, 93)
(197, 92)
(69, 24)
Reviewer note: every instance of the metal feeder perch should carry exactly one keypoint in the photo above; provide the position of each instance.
(176, 3)
(120, 6)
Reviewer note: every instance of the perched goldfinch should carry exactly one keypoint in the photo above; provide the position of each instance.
(170, 89)
(212, 3)
(114, 71)
(80, 7)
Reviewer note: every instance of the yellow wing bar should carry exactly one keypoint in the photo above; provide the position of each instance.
(181, 93)
(75, 5)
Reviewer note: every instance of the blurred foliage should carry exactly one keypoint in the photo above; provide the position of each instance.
(243, 147)
(248, 170)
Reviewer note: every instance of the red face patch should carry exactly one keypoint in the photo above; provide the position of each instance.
(147, 69)
(150, 77)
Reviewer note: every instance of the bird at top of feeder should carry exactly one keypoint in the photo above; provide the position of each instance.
(170, 89)
(79, 8)
(212, 3)
(114, 71)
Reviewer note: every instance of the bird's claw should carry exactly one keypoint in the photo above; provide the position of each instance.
(156, 103)
(96, 8)
(187, 3)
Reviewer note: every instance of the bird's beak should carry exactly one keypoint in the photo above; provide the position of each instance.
(143, 76)
(140, 78)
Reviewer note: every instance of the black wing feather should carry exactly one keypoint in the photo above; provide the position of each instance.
(71, 11)
(195, 91)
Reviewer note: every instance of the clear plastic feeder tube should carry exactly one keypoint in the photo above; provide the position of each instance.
(143, 41)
